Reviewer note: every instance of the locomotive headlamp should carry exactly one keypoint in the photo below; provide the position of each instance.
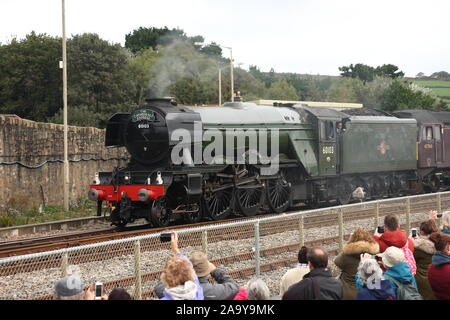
(96, 179)
(96, 195)
(159, 179)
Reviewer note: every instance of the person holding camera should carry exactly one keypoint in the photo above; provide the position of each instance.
(179, 278)
(224, 288)
(423, 251)
(439, 269)
(348, 260)
(374, 286)
(445, 220)
(390, 235)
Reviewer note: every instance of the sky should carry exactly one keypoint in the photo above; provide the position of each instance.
(302, 36)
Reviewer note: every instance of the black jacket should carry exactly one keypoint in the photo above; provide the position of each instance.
(319, 284)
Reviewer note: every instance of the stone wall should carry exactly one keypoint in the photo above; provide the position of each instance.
(32, 143)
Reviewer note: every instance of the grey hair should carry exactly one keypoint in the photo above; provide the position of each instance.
(445, 220)
(78, 296)
(369, 271)
(257, 290)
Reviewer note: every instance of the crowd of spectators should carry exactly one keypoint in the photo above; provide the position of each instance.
(388, 265)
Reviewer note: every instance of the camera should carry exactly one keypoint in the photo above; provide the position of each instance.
(98, 290)
(414, 232)
(165, 237)
(380, 229)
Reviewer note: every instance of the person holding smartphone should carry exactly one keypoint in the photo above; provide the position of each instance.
(179, 278)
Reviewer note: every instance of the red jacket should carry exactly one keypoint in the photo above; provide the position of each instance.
(439, 276)
(394, 239)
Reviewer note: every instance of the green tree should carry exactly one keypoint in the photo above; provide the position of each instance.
(443, 75)
(345, 90)
(140, 72)
(144, 38)
(367, 73)
(97, 72)
(420, 75)
(30, 79)
(359, 70)
(212, 50)
(389, 70)
(282, 90)
(400, 96)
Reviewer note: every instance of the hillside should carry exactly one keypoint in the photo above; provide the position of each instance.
(439, 87)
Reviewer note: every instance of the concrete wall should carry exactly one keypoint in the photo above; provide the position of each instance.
(32, 143)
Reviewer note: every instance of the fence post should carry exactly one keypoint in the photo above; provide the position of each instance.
(408, 215)
(257, 250)
(439, 205)
(64, 264)
(377, 214)
(301, 231)
(205, 242)
(439, 210)
(137, 271)
(341, 229)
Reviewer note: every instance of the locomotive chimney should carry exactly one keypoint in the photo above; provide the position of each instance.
(152, 97)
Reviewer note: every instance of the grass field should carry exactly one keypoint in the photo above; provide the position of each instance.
(443, 90)
(432, 83)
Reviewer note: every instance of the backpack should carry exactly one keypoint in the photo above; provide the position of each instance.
(409, 258)
(405, 291)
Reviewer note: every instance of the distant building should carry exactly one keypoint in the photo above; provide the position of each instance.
(333, 105)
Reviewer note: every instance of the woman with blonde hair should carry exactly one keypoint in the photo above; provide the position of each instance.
(179, 277)
(348, 260)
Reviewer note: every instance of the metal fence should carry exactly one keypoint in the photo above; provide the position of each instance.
(248, 248)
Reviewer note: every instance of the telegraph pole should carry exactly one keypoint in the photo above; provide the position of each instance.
(220, 86)
(66, 160)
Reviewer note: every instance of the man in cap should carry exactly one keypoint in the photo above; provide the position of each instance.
(225, 287)
(393, 260)
(69, 288)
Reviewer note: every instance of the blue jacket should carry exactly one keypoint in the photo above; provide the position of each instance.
(440, 258)
(402, 273)
(199, 291)
(384, 293)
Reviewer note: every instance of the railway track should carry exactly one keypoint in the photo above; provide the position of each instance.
(61, 241)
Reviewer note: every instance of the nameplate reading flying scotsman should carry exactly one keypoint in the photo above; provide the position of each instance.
(143, 114)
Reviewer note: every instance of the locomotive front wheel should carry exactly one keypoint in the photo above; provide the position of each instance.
(278, 194)
(159, 213)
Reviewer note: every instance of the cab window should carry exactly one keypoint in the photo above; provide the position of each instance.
(427, 133)
(327, 130)
(437, 133)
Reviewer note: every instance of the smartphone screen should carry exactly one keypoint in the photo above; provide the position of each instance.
(98, 290)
